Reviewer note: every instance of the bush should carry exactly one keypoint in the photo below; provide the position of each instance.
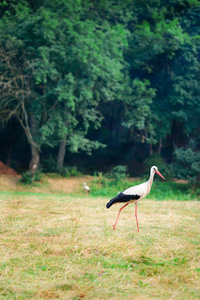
(69, 172)
(117, 173)
(187, 164)
(28, 178)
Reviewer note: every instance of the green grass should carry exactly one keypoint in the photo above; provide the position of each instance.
(63, 247)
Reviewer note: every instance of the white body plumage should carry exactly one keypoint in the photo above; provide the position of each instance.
(142, 189)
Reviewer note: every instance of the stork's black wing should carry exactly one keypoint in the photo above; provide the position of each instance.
(122, 198)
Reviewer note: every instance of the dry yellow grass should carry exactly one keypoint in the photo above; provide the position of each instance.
(56, 247)
(48, 184)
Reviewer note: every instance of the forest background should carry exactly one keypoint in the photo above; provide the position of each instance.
(97, 85)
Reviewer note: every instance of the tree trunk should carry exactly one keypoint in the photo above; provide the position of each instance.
(33, 165)
(150, 149)
(9, 153)
(160, 146)
(117, 128)
(61, 153)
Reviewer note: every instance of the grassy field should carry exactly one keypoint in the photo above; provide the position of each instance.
(63, 247)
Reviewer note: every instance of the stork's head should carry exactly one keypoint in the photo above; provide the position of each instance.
(154, 170)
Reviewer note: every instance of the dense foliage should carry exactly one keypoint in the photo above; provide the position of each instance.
(99, 83)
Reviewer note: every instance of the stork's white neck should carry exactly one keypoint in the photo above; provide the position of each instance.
(150, 181)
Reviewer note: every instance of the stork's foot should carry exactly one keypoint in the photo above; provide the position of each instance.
(114, 226)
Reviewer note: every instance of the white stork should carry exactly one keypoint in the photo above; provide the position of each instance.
(86, 188)
(134, 194)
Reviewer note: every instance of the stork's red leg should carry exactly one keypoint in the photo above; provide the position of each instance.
(119, 214)
(136, 216)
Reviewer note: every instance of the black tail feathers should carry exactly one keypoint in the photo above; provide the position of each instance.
(122, 198)
(112, 201)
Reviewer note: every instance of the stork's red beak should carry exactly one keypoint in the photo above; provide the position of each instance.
(157, 172)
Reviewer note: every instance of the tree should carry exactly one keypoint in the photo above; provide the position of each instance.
(71, 65)
(129, 69)
(16, 93)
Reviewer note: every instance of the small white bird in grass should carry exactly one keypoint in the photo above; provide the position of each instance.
(134, 194)
(86, 188)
